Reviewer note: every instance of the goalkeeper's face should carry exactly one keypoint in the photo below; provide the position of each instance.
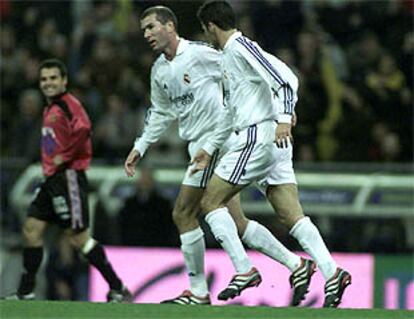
(158, 35)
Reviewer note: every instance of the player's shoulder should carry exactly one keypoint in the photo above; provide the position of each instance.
(200, 47)
(157, 65)
(244, 44)
(201, 44)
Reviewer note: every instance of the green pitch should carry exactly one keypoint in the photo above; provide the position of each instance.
(63, 310)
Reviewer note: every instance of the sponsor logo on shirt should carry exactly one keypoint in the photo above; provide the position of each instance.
(187, 78)
(183, 100)
(48, 140)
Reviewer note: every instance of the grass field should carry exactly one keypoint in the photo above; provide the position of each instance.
(64, 310)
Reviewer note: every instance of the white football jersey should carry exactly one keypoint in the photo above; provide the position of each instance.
(258, 87)
(187, 89)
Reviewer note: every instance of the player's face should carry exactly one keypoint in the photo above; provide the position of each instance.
(51, 82)
(155, 33)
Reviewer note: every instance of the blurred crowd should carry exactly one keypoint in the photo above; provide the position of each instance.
(354, 60)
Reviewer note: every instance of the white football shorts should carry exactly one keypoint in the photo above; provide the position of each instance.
(282, 171)
(248, 154)
(200, 178)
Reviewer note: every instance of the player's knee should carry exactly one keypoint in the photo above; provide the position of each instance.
(184, 212)
(78, 240)
(32, 234)
(289, 216)
(208, 205)
(181, 217)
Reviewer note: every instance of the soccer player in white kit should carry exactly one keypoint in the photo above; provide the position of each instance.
(251, 78)
(185, 86)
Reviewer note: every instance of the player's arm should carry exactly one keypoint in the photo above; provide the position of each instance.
(212, 61)
(80, 131)
(261, 63)
(158, 119)
(63, 135)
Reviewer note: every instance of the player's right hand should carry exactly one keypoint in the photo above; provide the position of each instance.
(283, 135)
(200, 161)
(131, 162)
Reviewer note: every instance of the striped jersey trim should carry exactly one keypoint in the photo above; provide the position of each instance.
(287, 90)
(75, 200)
(209, 170)
(245, 155)
(206, 44)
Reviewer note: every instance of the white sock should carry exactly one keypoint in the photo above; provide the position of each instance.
(258, 237)
(193, 248)
(225, 231)
(311, 241)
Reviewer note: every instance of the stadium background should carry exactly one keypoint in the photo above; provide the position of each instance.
(354, 136)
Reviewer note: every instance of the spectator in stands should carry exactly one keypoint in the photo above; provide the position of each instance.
(386, 84)
(145, 219)
(26, 145)
(113, 131)
(105, 51)
(320, 111)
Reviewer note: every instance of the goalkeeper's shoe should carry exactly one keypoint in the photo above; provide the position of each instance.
(335, 287)
(300, 280)
(118, 296)
(18, 296)
(239, 283)
(188, 298)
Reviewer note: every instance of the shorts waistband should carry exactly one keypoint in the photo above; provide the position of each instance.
(251, 126)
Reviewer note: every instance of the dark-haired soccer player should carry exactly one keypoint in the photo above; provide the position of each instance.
(66, 151)
(251, 79)
(186, 86)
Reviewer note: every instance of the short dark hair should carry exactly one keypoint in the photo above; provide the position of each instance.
(164, 14)
(218, 12)
(54, 63)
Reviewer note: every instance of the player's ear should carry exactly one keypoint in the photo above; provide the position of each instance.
(65, 81)
(170, 26)
(211, 27)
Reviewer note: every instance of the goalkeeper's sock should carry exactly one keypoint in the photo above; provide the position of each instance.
(96, 256)
(311, 241)
(32, 258)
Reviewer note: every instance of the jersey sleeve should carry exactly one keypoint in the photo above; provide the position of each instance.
(277, 75)
(80, 132)
(158, 119)
(211, 60)
(70, 134)
(221, 133)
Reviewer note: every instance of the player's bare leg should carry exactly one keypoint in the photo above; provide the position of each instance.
(223, 227)
(193, 247)
(285, 201)
(95, 254)
(32, 231)
(258, 237)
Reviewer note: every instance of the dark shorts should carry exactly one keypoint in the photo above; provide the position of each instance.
(63, 200)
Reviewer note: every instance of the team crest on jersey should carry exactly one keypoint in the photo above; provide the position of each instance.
(53, 118)
(187, 78)
(225, 75)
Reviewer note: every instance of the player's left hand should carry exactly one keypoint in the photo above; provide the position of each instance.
(58, 160)
(294, 119)
(283, 135)
(200, 161)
